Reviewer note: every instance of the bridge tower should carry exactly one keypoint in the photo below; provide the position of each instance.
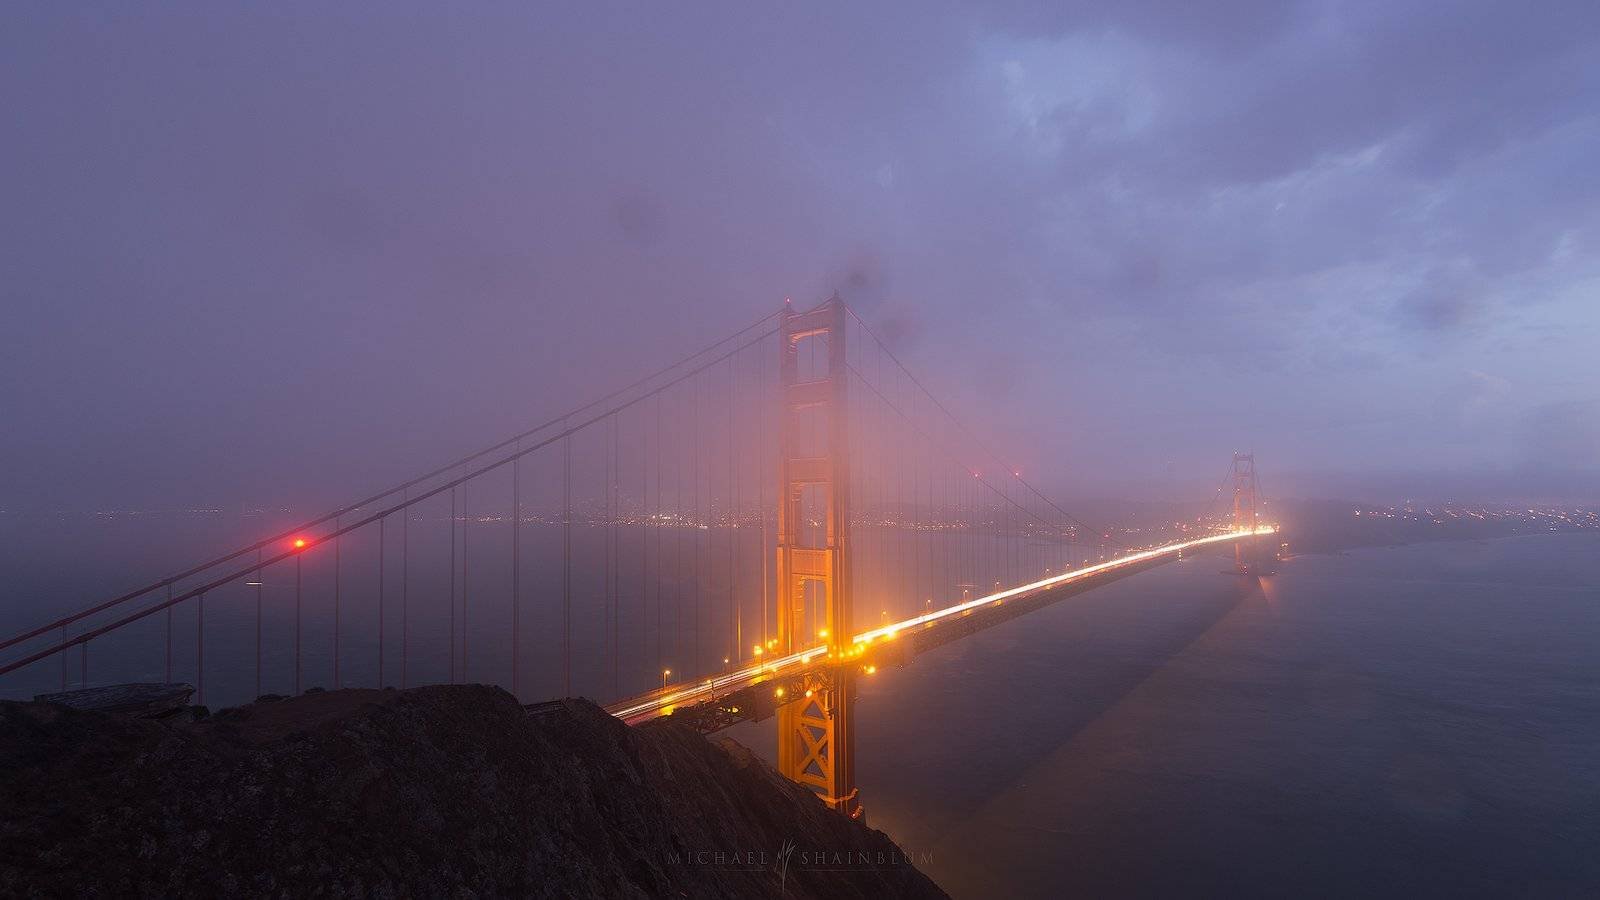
(815, 731)
(1244, 511)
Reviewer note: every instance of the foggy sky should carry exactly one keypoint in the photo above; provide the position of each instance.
(289, 251)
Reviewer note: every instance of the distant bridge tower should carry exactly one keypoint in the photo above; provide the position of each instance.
(815, 730)
(1244, 511)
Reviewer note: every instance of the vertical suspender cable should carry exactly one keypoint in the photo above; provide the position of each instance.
(259, 582)
(566, 565)
(970, 513)
(168, 676)
(381, 524)
(764, 398)
(733, 523)
(452, 678)
(516, 575)
(901, 573)
(886, 479)
(655, 526)
(199, 651)
(605, 555)
(919, 572)
(336, 682)
(297, 605)
(677, 545)
(616, 560)
(673, 652)
(944, 537)
(644, 539)
(405, 587)
(699, 521)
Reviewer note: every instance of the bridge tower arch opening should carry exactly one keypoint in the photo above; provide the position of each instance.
(815, 731)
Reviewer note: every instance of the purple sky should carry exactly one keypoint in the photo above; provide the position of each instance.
(244, 245)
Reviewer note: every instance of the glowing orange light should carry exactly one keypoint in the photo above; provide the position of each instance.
(299, 543)
(778, 692)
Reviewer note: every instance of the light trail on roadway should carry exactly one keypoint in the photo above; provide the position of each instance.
(662, 702)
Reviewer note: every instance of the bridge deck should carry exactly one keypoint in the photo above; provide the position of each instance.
(754, 691)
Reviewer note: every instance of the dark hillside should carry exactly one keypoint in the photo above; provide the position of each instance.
(433, 792)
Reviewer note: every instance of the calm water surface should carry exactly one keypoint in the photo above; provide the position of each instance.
(1420, 719)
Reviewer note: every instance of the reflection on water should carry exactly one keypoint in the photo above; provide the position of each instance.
(1419, 719)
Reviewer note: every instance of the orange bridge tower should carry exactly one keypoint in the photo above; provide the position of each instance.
(815, 730)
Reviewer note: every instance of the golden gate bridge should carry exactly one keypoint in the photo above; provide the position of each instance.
(739, 535)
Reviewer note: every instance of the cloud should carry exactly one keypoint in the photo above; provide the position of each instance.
(1136, 213)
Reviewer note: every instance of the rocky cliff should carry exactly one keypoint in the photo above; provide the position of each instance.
(434, 792)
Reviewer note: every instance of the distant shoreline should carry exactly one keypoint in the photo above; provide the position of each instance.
(1463, 539)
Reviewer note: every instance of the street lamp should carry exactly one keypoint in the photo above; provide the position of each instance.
(664, 674)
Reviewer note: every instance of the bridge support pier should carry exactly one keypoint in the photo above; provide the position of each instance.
(815, 730)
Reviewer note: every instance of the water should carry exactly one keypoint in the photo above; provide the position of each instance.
(1419, 719)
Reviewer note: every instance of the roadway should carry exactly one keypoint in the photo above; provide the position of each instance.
(797, 671)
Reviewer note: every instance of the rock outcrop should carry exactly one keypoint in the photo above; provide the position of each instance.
(433, 792)
(142, 701)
